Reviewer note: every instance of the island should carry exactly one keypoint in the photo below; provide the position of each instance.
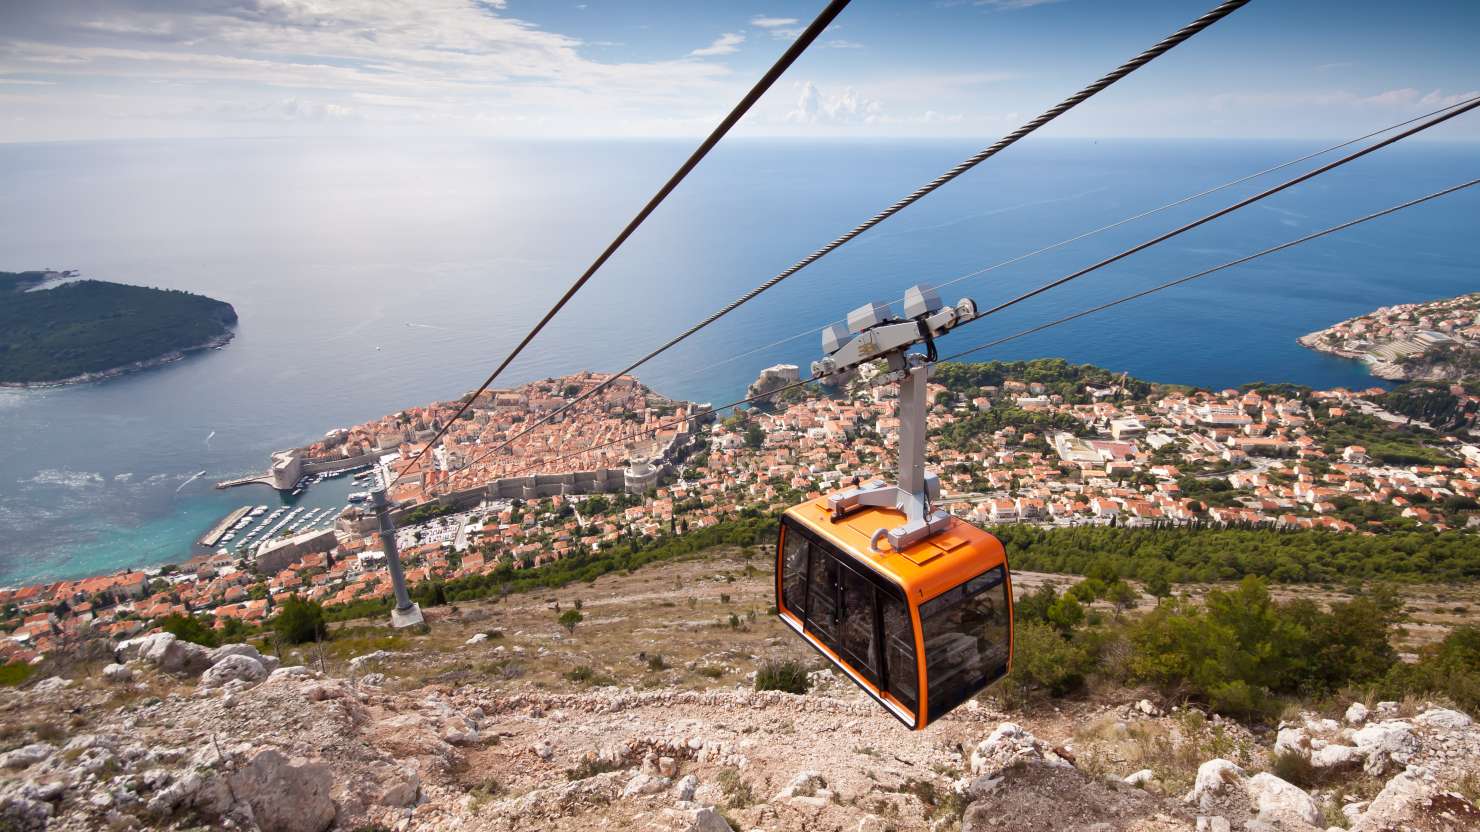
(77, 331)
(1434, 341)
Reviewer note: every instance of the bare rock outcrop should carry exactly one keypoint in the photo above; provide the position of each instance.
(173, 655)
(233, 668)
(284, 797)
(1024, 785)
(1414, 801)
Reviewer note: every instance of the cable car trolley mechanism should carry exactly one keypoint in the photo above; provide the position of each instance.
(913, 604)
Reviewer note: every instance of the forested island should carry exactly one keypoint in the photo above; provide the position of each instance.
(86, 330)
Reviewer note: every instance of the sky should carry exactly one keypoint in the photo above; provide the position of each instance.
(551, 69)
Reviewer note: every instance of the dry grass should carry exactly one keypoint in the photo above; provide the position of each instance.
(1109, 746)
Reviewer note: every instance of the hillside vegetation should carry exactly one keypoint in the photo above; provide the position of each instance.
(92, 326)
(1211, 554)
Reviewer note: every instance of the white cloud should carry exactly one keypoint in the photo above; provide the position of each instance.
(781, 28)
(726, 44)
(847, 107)
(1012, 5)
(166, 67)
(839, 43)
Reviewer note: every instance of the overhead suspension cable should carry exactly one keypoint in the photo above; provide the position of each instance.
(810, 34)
(1205, 272)
(1219, 12)
(1289, 183)
(704, 414)
(1243, 203)
(813, 331)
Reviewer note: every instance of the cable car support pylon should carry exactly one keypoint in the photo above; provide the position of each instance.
(872, 335)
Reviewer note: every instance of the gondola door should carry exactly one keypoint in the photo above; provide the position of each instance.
(824, 601)
(859, 625)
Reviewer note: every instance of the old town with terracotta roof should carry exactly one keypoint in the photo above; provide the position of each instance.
(1039, 442)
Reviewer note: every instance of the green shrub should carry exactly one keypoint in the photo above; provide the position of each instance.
(1450, 668)
(737, 790)
(591, 768)
(189, 628)
(1240, 649)
(583, 674)
(789, 676)
(1045, 661)
(16, 673)
(300, 620)
(1294, 768)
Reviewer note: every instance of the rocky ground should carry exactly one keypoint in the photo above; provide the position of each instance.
(498, 720)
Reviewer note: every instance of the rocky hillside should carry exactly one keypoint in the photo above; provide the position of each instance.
(644, 717)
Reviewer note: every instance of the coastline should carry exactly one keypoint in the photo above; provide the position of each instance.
(1433, 341)
(1377, 369)
(127, 369)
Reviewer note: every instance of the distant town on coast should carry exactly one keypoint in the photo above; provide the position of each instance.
(1038, 444)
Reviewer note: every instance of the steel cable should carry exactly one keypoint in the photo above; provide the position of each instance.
(766, 81)
(1219, 12)
(704, 414)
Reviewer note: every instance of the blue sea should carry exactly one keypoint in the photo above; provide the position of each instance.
(374, 275)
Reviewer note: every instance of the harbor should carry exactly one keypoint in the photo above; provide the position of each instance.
(223, 527)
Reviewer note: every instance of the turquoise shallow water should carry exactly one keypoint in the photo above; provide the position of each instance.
(440, 254)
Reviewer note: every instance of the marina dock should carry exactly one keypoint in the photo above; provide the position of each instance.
(212, 537)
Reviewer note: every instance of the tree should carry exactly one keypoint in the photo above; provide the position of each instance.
(754, 436)
(1158, 587)
(300, 620)
(1066, 613)
(234, 631)
(569, 619)
(1122, 595)
(189, 628)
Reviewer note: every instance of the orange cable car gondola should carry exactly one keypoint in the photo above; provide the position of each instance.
(912, 604)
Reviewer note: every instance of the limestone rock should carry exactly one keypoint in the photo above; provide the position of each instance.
(1010, 744)
(23, 814)
(1444, 718)
(478, 638)
(1386, 745)
(27, 755)
(118, 674)
(1214, 778)
(1279, 802)
(804, 784)
(172, 655)
(285, 797)
(1148, 708)
(235, 649)
(402, 790)
(1413, 800)
(708, 820)
(1142, 778)
(296, 671)
(1292, 741)
(686, 787)
(1333, 757)
(233, 667)
(1356, 714)
(641, 784)
(544, 750)
(50, 686)
(1213, 823)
